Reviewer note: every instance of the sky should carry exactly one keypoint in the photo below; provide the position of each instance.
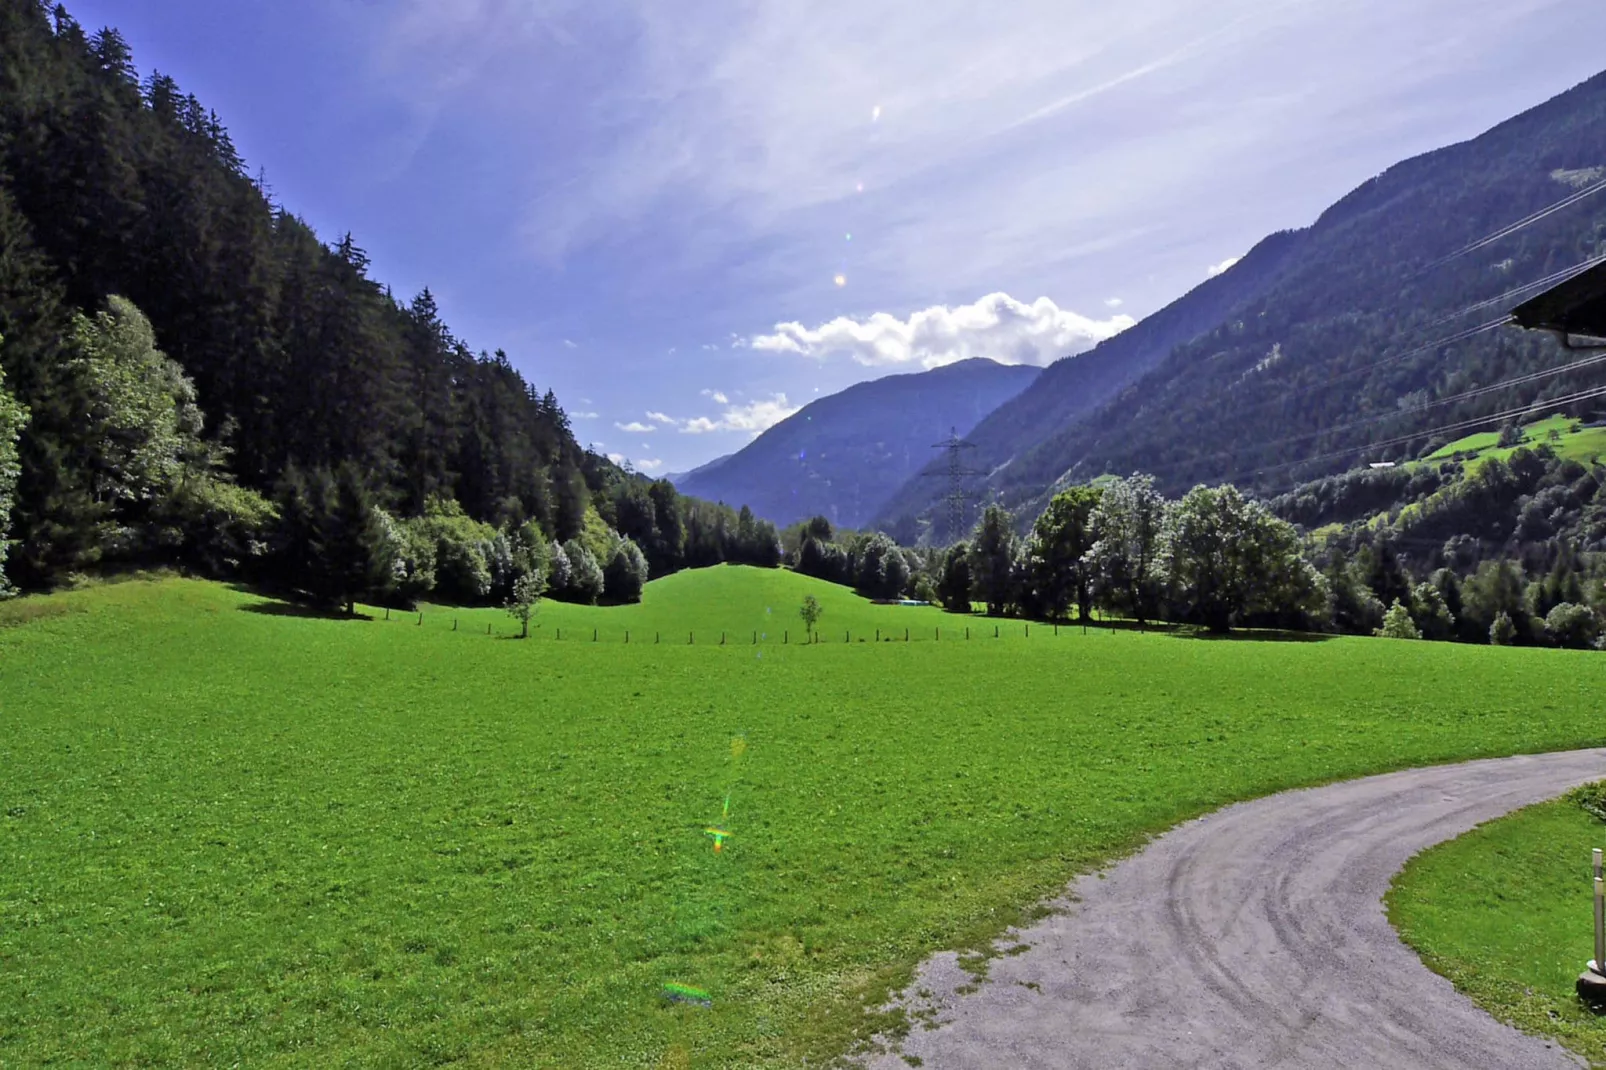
(691, 219)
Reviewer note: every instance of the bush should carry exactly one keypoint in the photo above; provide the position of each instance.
(225, 527)
(462, 573)
(1571, 625)
(1502, 632)
(586, 581)
(1397, 624)
(414, 568)
(626, 573)
(560, 571)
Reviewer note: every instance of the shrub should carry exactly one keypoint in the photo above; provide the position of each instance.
(586, 581)
(1571, 625)
(626, 573)
(1502, 632)
(1397, 623)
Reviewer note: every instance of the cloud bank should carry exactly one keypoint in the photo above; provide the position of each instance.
(997, 326)
(754, 417)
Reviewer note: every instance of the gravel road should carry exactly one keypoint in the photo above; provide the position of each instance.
(1252, 937)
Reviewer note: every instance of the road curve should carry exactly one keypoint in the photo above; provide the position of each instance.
(1252, 937)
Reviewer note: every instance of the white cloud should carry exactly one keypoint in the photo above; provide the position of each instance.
(1225, 265)
(1113, 302)
(754, 417)
(718, 396)
(582, 416)
(997, 326)
(636, 427)
(660, 418)
(570, 344)
(651, 465)
(617, 458)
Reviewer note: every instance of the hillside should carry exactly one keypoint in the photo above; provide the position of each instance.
(1332, 338)
(842, 456)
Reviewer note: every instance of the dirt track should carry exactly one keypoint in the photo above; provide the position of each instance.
(1252, 937)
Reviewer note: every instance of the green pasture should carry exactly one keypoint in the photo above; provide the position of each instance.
(1568, 437)
(700, 605)
(1505, 912)
(234, 834)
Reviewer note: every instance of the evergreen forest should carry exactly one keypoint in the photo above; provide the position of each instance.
(193, 377)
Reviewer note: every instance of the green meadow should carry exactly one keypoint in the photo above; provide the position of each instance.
(1568, 437)
(231, 833)
(1505, 912)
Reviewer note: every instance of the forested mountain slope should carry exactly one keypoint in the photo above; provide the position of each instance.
(842, 456)
(113, 185)
(1330, 346)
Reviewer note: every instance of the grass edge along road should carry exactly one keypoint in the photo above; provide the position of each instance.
(1505, 913)
(232, 832)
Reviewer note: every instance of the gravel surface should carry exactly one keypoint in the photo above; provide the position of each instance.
(1252, 937)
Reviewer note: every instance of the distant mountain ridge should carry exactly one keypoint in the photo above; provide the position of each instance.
(842, 456)
(1325, 340)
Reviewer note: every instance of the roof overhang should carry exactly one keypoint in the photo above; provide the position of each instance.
(1571, 310)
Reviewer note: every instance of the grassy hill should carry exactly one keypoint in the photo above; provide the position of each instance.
(1568, 438)
(230, 833)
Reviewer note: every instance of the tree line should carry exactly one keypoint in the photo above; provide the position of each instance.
(189, 375)
(1217, 559)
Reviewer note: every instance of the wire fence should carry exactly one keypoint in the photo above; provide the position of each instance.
(975, 630)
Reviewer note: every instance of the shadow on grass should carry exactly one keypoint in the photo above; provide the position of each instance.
(1253, 635)
(290, 609)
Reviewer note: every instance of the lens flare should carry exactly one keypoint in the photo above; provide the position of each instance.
(841, 280)
(676, 992)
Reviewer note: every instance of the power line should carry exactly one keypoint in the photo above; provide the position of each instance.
(1449, 399)
(1459, 426)
(1555, 278)
(1512, 228)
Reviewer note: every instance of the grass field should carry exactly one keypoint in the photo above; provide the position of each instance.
(233, 834)
(1568, 437)
(1504, 912)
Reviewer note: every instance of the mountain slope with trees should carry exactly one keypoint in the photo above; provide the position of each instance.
(842, 456)
(1332, 339)
(189, 375)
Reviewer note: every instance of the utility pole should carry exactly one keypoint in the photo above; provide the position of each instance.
(956, 498)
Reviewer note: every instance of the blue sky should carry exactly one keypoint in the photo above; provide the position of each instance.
(689, 219)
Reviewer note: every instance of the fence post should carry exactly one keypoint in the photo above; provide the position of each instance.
(755, 638)
(420, 620)
(1028, 631)
(1600, 918)
(627, 637)
(785, 637)
(847, 636)
(906, 635)
(560, 635)
(1056, 631)
(593, 635)
(721, 638)
(454, 624)
(487, 629)
(691, 638)
(387, 612)
(878, 635)
(995, 631)
(657, 637)
(967, 631)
